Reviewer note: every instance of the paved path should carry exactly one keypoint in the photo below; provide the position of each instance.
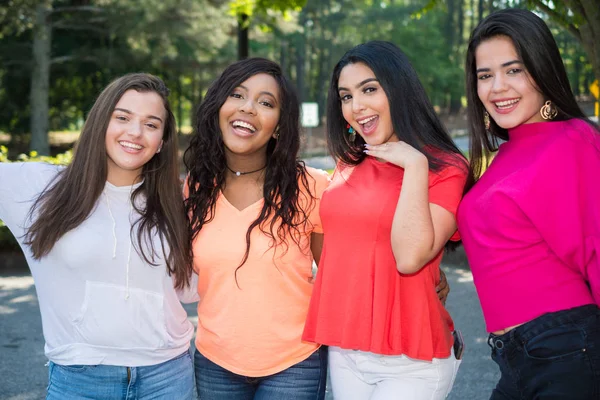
(23, 375)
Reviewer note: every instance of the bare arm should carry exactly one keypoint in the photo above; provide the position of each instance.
(316, 246)
(419, 229)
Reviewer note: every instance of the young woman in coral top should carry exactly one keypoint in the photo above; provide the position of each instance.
(256, 226)
(531, 223)
(387, 215)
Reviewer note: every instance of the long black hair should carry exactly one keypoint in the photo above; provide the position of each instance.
(284, 201)
(537, 49)
(413, 117)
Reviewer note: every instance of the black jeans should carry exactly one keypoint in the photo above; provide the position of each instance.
(555, 356)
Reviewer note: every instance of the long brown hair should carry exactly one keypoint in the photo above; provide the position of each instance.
(72, 195)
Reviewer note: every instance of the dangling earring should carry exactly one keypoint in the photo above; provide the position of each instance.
(548, 111)
(352, 133)
(486, 121)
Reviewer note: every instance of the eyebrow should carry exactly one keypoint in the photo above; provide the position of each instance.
(129, 112)
(506, 64)
(340, 88)
(263, 92)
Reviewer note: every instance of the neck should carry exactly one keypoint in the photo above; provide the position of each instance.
(123, 179)
(239, 165)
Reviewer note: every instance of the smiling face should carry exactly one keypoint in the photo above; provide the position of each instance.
(134, 135)
(504, 86)
(249, 117)
(365, 105)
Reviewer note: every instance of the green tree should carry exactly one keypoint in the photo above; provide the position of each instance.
(581, 18)
(246, 10)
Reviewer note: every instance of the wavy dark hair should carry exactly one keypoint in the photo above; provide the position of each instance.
(284, 173)
(72, 195)
(413, 117)
(537, 49)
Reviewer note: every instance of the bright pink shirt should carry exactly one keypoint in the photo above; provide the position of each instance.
(531, 224)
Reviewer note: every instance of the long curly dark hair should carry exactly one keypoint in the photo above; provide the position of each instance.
(284, 174)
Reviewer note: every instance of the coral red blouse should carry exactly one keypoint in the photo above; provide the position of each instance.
(360, 300)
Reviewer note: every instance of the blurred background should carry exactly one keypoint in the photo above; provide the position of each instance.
(57, 55)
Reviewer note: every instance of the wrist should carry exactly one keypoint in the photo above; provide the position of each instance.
(419, 162)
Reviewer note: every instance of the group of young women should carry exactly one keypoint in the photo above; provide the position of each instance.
(114, 247)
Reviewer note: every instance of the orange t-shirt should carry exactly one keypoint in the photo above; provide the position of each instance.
(360, 300)
(253, 327)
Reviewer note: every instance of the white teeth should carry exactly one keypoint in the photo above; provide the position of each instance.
(364, 121)
(244, 125)
(131, 145)
(506, 103)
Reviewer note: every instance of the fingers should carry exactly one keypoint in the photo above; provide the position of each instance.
(378, 151)
(376, 147)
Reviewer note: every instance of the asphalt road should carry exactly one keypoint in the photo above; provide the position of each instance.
(23, 374)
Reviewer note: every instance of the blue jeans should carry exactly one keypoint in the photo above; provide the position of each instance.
(555, 356)
(303, 381)
(173, 379)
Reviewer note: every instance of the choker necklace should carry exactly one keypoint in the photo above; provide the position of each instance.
(238, 173)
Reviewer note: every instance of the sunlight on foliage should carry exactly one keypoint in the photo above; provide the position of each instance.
(60, 159)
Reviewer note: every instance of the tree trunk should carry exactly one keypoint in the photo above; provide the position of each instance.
(283, 53)
(449, 29)
(590, 33)
(301, 59)
(243, 36)
(40, 79)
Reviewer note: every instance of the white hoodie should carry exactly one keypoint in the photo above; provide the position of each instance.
(100, 302)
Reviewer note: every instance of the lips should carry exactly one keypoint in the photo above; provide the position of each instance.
(130, 147)
(505, 106)
(243, 128)
(368, 124)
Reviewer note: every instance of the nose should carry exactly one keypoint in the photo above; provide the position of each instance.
(136, 128)
(357, 105)
(248, 107)
(499, 83)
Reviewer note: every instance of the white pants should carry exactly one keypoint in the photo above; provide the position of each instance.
(359, 375)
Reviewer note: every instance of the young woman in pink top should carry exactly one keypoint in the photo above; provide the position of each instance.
(531, 223)
(256, 229)
(387, 215)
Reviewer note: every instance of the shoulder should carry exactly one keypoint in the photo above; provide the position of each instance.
(569, 144)
(318, 180)
(580, 133)
(455, 166)
(28, 173)
(316, 174)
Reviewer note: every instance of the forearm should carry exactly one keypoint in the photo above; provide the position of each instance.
(413, 235)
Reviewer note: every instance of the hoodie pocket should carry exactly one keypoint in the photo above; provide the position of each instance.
(112, 316)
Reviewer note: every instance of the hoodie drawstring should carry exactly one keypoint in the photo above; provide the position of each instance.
(114, 233)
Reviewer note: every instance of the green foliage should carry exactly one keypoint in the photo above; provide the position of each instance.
(189, 42)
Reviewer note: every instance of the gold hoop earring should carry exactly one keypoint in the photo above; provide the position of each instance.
(548, 111)
(486, 121)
